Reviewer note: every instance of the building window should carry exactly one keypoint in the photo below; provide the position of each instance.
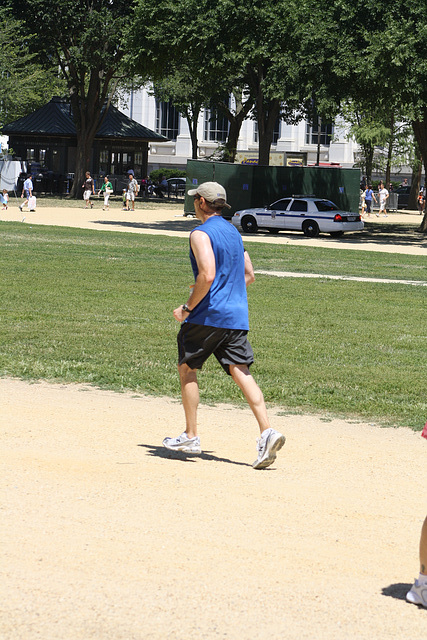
(312, 134)
(31, 154)
(216, 126)
(276, 131)
(167, 120)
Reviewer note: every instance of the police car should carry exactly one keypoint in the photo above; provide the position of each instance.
(308, 214)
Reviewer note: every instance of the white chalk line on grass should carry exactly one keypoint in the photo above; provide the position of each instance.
(291, 274)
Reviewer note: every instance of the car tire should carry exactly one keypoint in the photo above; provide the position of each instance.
(310, 228)
(249, 224)
(336, 234)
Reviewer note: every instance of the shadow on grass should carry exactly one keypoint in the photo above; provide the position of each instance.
(387, 234)
(162, 452)
(183, 224)
(397, 591)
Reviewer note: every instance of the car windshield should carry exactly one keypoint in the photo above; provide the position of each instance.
(325, 205)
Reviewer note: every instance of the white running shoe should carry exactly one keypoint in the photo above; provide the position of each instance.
(268, 445)
(418, 594)
(183, 443)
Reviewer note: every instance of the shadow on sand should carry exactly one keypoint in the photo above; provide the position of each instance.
(162, 452)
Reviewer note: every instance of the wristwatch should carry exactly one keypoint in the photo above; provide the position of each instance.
(185, 308)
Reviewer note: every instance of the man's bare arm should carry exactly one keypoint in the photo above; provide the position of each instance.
(202, 249)
(249, 270)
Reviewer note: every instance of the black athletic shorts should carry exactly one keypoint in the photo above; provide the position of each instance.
(196, 342)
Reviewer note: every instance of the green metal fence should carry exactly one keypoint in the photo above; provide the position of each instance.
(253, 186)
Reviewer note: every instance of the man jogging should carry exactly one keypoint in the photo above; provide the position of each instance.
(215, 321)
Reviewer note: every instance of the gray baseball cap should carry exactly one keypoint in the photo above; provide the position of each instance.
(213, 192)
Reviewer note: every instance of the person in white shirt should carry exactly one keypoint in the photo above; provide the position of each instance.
(383, 195)
(27, 191)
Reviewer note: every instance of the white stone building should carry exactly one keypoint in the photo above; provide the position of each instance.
(293, 144)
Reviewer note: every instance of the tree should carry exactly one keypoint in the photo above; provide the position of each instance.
(84, 38)
(247, 47)
(390, 59)
(25, 84)
(178, 88)
(236, 111)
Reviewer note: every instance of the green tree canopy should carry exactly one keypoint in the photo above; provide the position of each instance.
(25, 84)
(226, 45)
(84, 38)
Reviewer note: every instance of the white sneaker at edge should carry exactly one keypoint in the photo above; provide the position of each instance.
(418, 594)
(268, 445)
(183, 443)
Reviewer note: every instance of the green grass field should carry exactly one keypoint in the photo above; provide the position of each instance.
(96, 307)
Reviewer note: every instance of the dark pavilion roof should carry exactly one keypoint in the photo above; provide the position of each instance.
(55, 119)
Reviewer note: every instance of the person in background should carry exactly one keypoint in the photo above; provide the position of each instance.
(363, 201)
(5, 198)
(369, 194)
(132, 191)
(107, 190)
(27, 191)
(162, 187)
(421, 202)
(383, 195)
(88, 190)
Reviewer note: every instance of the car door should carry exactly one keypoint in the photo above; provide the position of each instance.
(296, 214)
(277, 210)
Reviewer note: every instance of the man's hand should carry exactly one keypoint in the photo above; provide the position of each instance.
(179, 314)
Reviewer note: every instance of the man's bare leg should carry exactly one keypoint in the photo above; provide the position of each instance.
(253, 394)
(270, 441)
(190, 397)
(418, 592)
(423, 549)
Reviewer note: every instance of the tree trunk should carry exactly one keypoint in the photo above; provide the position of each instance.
(87, 117)
(319, 129)
(368, 151)
(420, 132)
(191, 113)
(267, 114)
(389, 153)
(193, 136)
(236, 121)
(415, 180)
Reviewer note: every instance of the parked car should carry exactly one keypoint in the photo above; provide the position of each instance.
(403, 196)
(176, 186)
(308, 214)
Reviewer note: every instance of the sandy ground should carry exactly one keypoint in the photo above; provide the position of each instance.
(105, 535)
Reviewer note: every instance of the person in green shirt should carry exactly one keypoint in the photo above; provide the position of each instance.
(107, 190)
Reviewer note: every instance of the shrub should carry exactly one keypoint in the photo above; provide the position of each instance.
(157, 174)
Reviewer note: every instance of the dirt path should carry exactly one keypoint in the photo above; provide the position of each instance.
(107, 536)
(172, 222)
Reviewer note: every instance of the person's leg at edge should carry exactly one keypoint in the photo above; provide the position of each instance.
(190, 397)
(423, 550)
(253, 394)
(418, 592)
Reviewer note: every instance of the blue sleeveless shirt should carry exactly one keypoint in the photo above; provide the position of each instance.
(226, 304)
